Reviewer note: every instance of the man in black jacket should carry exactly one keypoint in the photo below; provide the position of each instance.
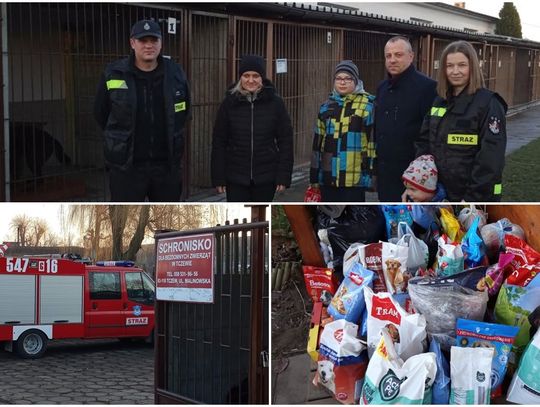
(142, 104)
(402, 101)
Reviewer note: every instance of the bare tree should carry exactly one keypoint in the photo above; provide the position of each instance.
(119, 215)
(20, 225)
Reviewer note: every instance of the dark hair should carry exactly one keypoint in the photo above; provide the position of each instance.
(476, 79)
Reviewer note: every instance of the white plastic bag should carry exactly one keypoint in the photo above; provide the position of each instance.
(418, 254)
(389, 380)
(468, 215)
(407, 330)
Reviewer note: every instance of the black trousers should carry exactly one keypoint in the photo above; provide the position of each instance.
(155, 182)
(251, 193)
(342, 194)
(389, 183)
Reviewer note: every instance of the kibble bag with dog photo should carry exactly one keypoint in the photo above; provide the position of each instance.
(407, 330)
(389, 380)
(394, 264)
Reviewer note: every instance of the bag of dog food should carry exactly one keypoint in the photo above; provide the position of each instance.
(513, 306)
(526, 262)
(394, 264)
(474, 334)
(407, 330)
(348, 303)
(370, 256)
(450, 258)
(441, 385)
(525, 385)
(496, 273)
(389, 380)
(394, 214)
(442, 300)
(319, 279)
(342, 361)
(470, 372)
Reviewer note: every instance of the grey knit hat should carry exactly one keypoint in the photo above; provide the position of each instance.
(349, 67)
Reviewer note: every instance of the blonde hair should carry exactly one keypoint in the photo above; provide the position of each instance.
(476, 79)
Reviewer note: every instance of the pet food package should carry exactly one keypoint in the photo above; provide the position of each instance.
(348, 302)
(407, 330)
(342, 361)
(451, 226)
(470, 372)
(525, 385)
(394, 214)
(394, 264)
(474, 334)
(526, 262)
(389, 380)
(441, 385)
(450, 258)
(442, 300)
(495, 274)
(513, 306)
(370, 256)
(319, 279)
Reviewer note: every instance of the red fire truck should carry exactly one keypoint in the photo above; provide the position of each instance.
(49, 298)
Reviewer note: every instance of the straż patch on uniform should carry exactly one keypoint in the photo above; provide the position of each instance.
(494, 125)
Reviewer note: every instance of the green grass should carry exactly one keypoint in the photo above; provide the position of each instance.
(521, 176)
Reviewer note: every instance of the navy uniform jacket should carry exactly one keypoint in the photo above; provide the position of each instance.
(400, 108)
(467, 137)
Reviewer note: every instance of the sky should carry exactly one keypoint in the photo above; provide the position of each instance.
(50, 212)
(529, 13)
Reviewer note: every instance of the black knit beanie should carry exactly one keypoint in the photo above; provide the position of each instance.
(349, 67)
(252, 63)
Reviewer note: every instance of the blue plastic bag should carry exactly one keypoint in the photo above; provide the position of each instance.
(473, 246)
(441, 386)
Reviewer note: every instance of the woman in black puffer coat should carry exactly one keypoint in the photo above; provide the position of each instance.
(252, 146)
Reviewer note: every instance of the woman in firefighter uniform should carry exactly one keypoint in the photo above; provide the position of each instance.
(343, 153)
(466, 129)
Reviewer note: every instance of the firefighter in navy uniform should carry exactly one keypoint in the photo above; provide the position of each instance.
(466, 129)
(142, 105)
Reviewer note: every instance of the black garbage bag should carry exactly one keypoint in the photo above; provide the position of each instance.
(357, 223)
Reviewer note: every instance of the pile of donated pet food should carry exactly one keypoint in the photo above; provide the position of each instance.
(424, 305)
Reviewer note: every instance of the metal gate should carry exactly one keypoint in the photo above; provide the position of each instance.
(218, 353)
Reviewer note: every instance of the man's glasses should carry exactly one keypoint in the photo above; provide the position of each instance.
(344, 79)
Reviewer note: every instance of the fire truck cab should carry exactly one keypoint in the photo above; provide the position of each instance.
(42, 299)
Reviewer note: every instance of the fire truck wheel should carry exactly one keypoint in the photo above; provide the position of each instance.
(31, 344)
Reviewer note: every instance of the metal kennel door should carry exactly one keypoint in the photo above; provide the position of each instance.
(216, 353)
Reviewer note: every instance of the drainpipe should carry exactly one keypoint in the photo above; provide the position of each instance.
(5, 96)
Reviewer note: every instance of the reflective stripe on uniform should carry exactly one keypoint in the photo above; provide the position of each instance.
(179, 107)
(497, 189)
(116, 84)
(463, 139)
(438, 111)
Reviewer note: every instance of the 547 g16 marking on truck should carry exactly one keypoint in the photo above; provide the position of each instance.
(42, 299)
